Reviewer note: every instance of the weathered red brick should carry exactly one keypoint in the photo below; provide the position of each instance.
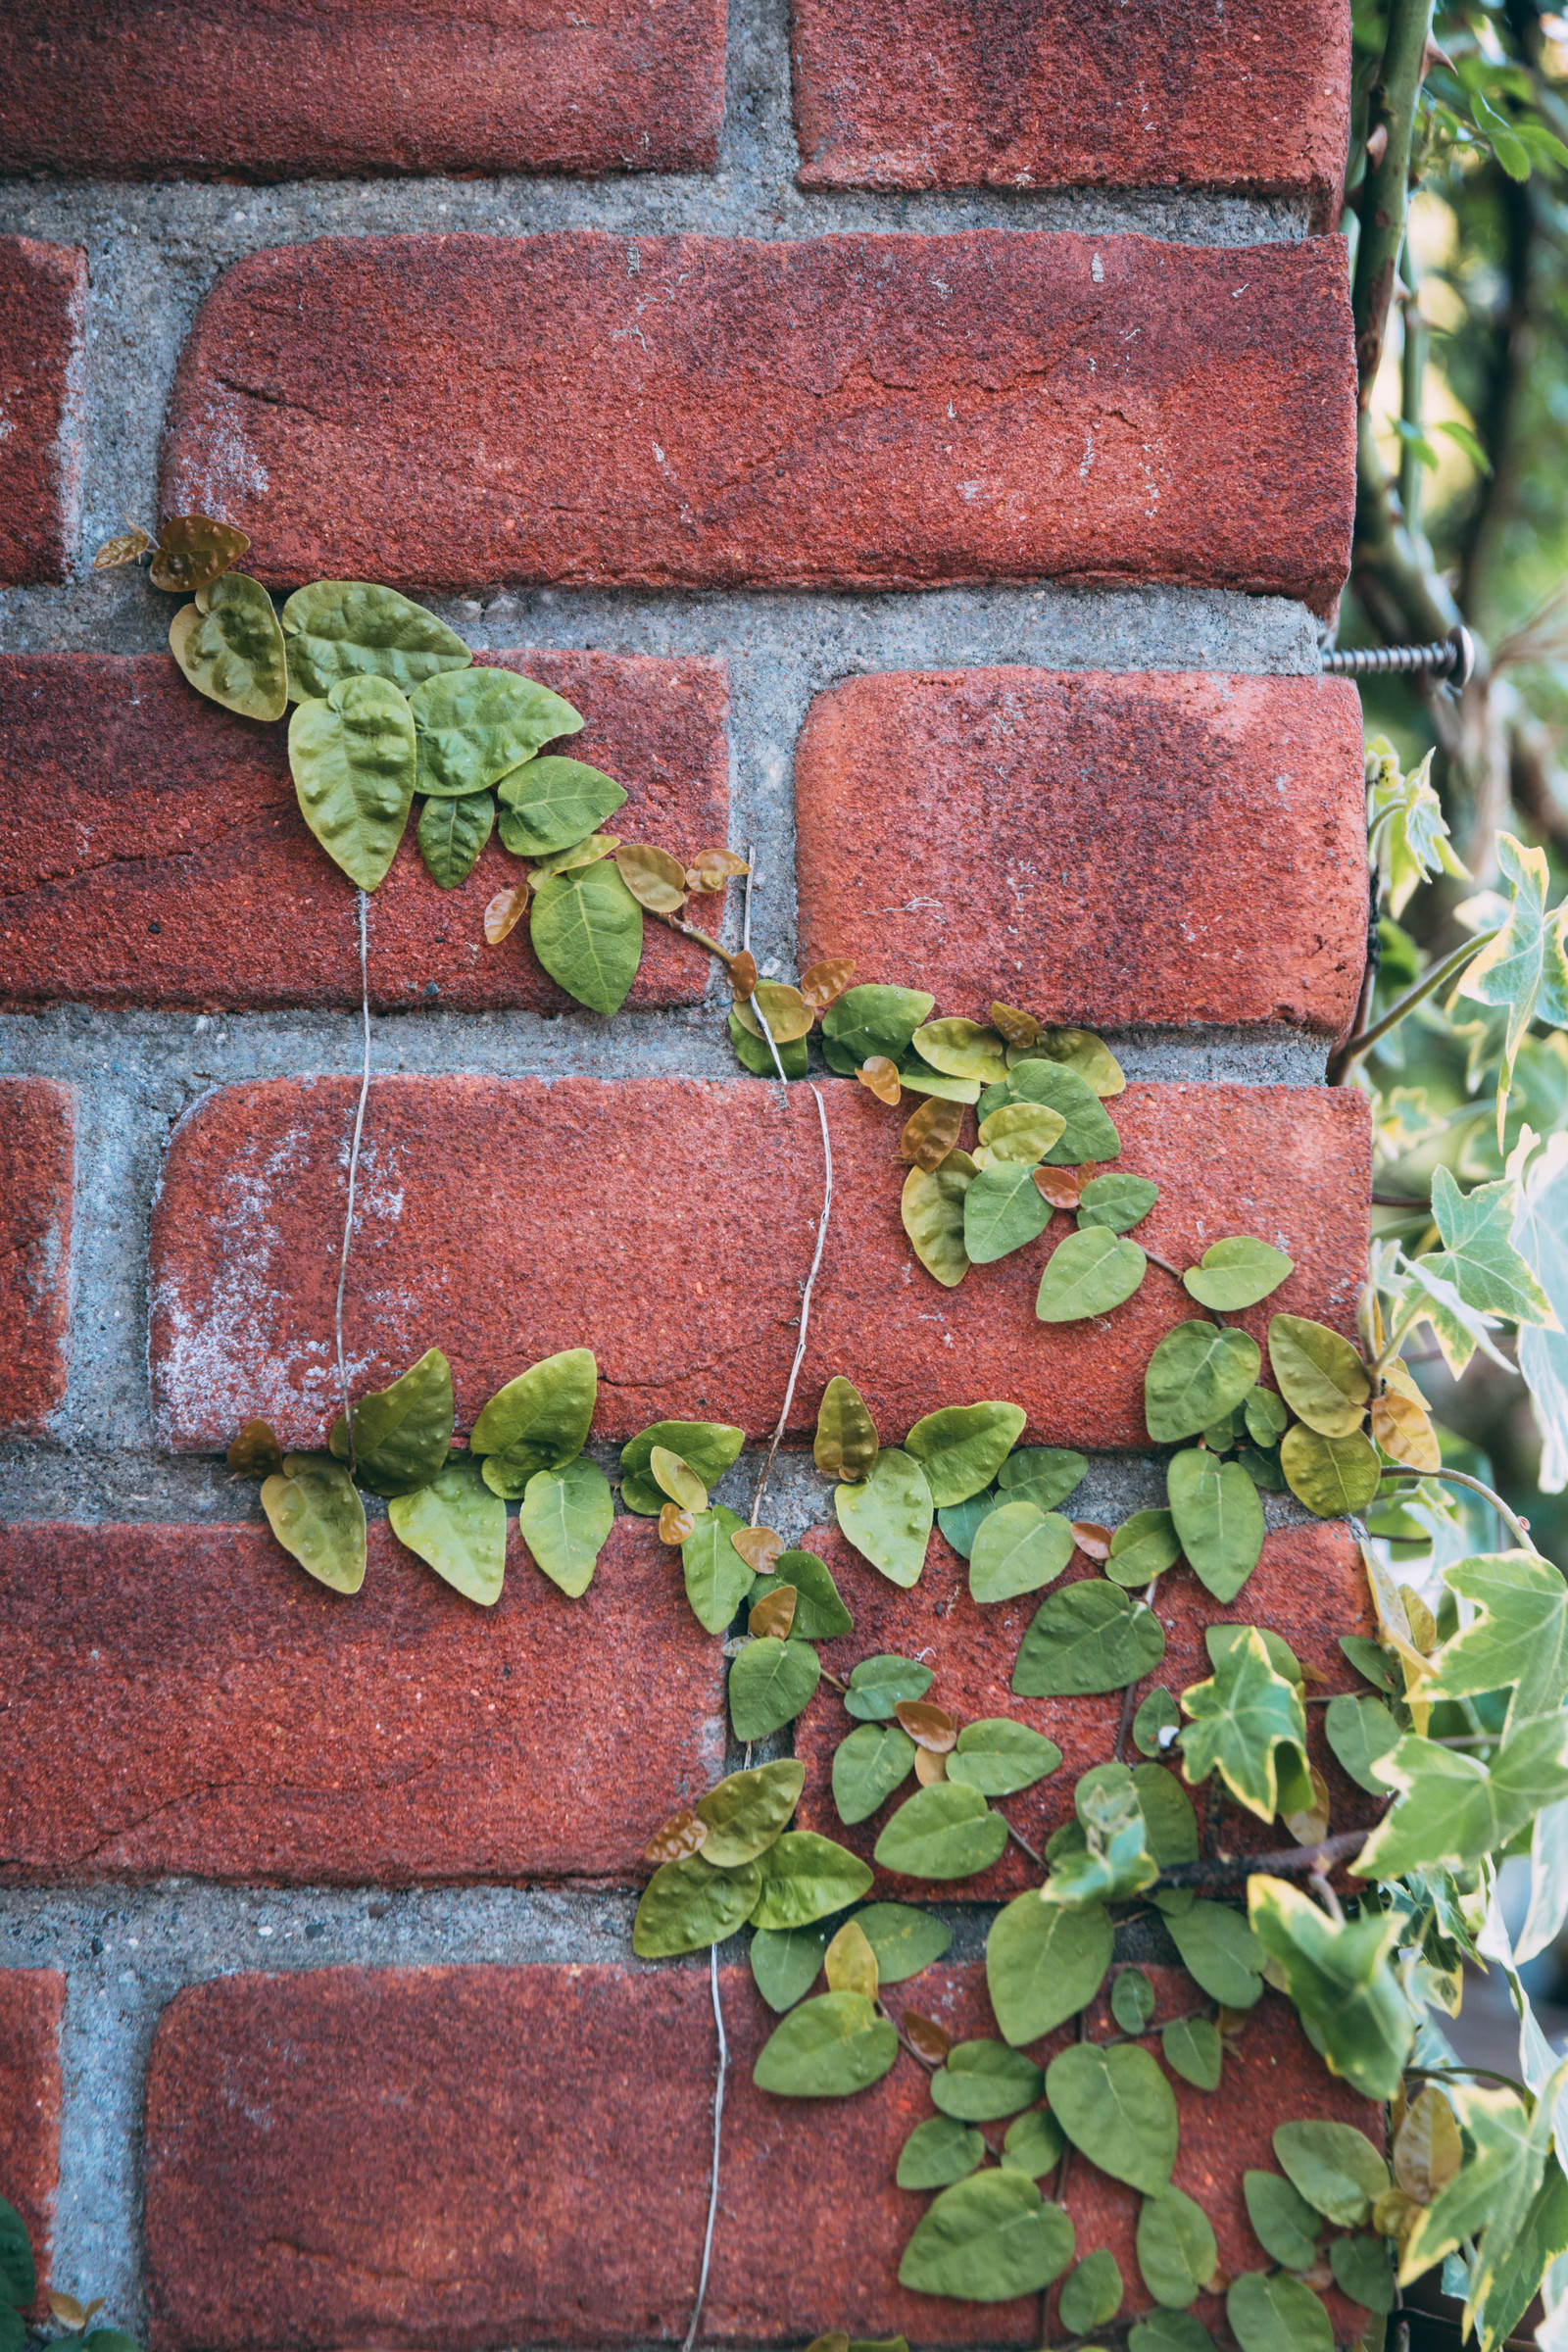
(33, 2003)
(229, 1719)
(859, 411)
(332, 2162)
(1116, 849)
(1308, 1587)
(43, 304)
(38, 1131)
(668, 1224)
(1253, 98)
(152, 850)
(287, 89)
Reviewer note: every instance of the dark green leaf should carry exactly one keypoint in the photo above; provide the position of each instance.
(1089, 1134)
(1002, 1211)
(1090, 2295)
(1090, 1637)
(1158, 1713)
(828, 2049)
(688, 1905)
(1282, 2221)
(1167, 1812)
(984, 2080)
(820, 1613)
(877, 1685)
(1266, 1415)
(987, 2239)
(754, 1054)
(1034, 2145)
(1219, 1953)
(1361, 2270)
(451, 833)
(1132, 2000)
(1360, 1731)
(999, 1757)
(939, 2152)
(961, 1524)
(706, 1447)
(402, 1433)
(1276, 2312)
(1046, 1474)
(903, 1939)
(867, 1766)
(1170, 2331)
(1369, 1660)
(871, 1020)
(770, 1683)
(944, 1832)
(1192, 2048)
(1196, 1375)
(1044, 1963)
(786, 1962)
(1177, 2255)
(458, 1528)
(1116, 2106)
(587, 931)
(804, 1878)
(19, 2280)
(1218, 1520)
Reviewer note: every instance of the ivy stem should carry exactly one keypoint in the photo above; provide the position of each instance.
(354, 1169)
(1354, 1048)
(1520, 1528)
(1396, 1339)
(1287, 1863)
(718, 2127)
(1021, 1840)
(778, 1438)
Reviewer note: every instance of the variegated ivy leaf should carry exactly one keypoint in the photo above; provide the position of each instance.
(1541, 1236)
(1339, 1974)
(1407, 834)
(1239, 1718)
(1523, 966)
(1478, 1256)
(1452, 1808)
(1517, 1640)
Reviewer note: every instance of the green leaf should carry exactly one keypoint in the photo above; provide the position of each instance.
(229, 646)
(1170, 2331)
(1167, 1812)
(337, 629)
(1282, 2221)
(804, 1876)
(932, 1208)
(903, 1939)
(1090, 2295)
(1452, 1809)
(984, 2080)
(1157, 1714)
(987, 2239)
(450, 835)
(845, 1444)
(1033, 2145)
(1237, 1273)
(887, 1517)
(688, 1905)
(939, 2152)
(1369, 1660)
(539, 1421)
(1132, 2000)
(1192, 2048)
(1218, 1520)
(1408, 834)
(1359, 1730)
(786, 1962)
(828, 2049)
(875, 1760)
(1481, 1261)
(1117, 1201)
(1518, 1639)
(402, 1433)
(316, 1514)
(18, 2278)
(877, 1685)
(963, 1523)
(1275, 2313)
(13, 2331)
(1177, 2255)
(352, 760)
(1321, 1377)
(1081, 1050)
(1332, 1476)
(1143, 1547)
(458, 1528)
(1239, 1718)
(706, 1447)
(873, 1019)
(756, 1055)
(1112, 1858)
(747, 1811)
(918, 1081)
(1335, 2167)
(999, 1757)
(587, 931)
(1047, 1474)
(1003, 1209)
(961, 1448)
(1219, 1953)
(1361, 2270)
(770, 1683)
(1523, 967)
(962, 1049)
(1117, 2109)
(1196, 1375)
(944, 1832)
(718, 1579)
(1338, 1973)
(1021, 1133)
(820, 1613)
(1018, 1548)
(475, 725)
(552, 804)
(1090, 1637)
(1089, 1134)
(1266, 1415)
(1090, 1272)
(1044, 1963)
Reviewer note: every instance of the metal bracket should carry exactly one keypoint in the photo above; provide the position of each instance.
(1453, 657)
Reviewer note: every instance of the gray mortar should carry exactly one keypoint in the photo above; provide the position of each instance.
(153, 254)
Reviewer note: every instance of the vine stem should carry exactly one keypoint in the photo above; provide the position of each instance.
(1285, 1864)
(719, 2130)
(1463, 1478)
(1356, 1048)
(354, 1166)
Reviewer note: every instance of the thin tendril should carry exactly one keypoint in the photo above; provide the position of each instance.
(778, 1438)
(719, 2126)
(354, 1167)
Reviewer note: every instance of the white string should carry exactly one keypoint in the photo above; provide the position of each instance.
(719, 2126)
(354, 1166)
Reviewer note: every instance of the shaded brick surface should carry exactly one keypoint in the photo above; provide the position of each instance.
(1017, 94)
(33, 2003)
(43, 303)
(668, 1224)
(332, 2162)
(1308, 1587)
(287, 89)
(1101, 849)
(228, 1718)
(36, 1154)
(856, 410)
(152, 850)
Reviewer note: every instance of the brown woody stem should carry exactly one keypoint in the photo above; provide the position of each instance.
(1291, 1862)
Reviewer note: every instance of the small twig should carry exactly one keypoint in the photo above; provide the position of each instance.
(354, 1169)
(1355, 1047)
(1285, 1864)
(1463, 1478)
(1019, 1840)
(1124, 1721)
(805, 1309)
(719, 2126)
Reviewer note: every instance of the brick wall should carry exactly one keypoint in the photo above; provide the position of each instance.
(919, 439)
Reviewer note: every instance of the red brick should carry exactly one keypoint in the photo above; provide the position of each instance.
(33, 2003)
(668, 1224)
(294, 89)
(332, 2162)
(152, 850)
(229, 1719)
(1254, 99)
(861, 411)
(1308, 1587)
(1230, 885)
(43, 304)
(38, 1128)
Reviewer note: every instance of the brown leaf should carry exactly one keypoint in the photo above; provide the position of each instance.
(1310, 1826)
(675, 1523)
(1232, 2023)
(1018, 1028)
(1061, 1186)
(69, 2312)
(928, 1726)
(930, 1132)
(255, 1451)
(193, 550)
(743, 973)
(928, 1767)
(710, 870)
(1427, 2148)
(760, 1548)
(1423, 1624)
(124, 550)
(850, 1963)
(846, 1444)
(774, 1614)
(1404, 1432)
(682, 1835)
(879, 1077)
(1092, 1540)
(505, 913)
(1392, 2212)
(784, 1008)
(926, 2038)
(821, 983)
(656, 879)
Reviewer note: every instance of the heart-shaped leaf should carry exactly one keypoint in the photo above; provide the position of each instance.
(1116, 2106)
(314, 1512)
(458, 1528)
(887, 1517)
(986, 2240)
(231, 647)
(352, 760)
(565, 1519)
(587, 931)
(826, 2050)
(337, 629)
(451, 834)
(477, 725)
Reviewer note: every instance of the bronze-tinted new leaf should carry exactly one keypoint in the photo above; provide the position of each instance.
(929, 1726)
(931, 1132)
(851, 1962)
(1308, 1825)
(255, 1451)
(929, 1766)
(69, 2312)
(193, 550)
(674, 1476)
(124, 550)
(1061, 1186)
(710, 870)
(504, 913)
(1404, 1430)
(774, 1614)
(743, 973)
(821, 984)
(683, 1834)
(846, 1444)
(760, 1548)
(656, 879)
(879, 1077)
(675, 1523)
(1092, 1540)
(926, 2038)
(785, 1010)
(1018, 1028)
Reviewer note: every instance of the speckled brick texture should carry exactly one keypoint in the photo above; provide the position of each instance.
(43, 303)
(669, 1223)
(333, 2163)
(289, 89)
(1104, 851)
(1020, 94)
(32, 2002)
(37, 1122)
(230, 1719)
(151, 851)
(862, 412)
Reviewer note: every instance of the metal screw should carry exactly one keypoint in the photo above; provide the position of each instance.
(1453, 658)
